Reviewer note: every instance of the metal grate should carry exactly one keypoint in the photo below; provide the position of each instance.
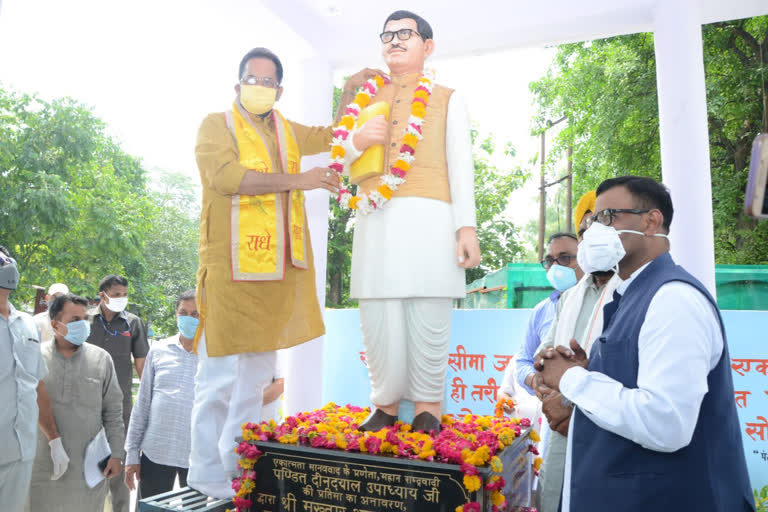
(183, 500)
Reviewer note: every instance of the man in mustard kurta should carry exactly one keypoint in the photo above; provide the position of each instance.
(256, 280)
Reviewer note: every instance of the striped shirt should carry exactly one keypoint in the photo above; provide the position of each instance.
(161, 420)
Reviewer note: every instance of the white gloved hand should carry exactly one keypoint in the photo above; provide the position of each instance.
(59, 457)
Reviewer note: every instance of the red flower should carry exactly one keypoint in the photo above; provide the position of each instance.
(372, 444)
(468, 469)
(472, 506)
(243, 503)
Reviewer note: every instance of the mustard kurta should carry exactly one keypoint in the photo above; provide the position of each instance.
(249, 316)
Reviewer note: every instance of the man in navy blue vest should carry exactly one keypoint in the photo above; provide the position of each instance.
(655, 424)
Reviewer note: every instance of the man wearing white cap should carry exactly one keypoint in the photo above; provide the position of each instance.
(42, 319)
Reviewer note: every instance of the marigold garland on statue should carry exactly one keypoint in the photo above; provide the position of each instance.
(375, 199)
(469, 442)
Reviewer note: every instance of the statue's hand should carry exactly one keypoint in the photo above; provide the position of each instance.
(467, 248)
(374, 131)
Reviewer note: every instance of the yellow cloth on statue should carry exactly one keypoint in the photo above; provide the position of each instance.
(249, 316)
(371, 162)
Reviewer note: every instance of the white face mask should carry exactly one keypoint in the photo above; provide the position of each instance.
(116, 304)
(601, 249)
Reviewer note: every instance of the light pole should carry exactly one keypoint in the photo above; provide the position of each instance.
(543, 187)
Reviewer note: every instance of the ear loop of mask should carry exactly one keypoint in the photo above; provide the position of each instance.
(620, 231)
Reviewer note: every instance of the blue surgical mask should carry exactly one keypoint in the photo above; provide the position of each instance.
(187, 326)
(561, 278)
(78, 332)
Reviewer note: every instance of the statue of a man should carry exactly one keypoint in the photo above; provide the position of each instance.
(409, 256)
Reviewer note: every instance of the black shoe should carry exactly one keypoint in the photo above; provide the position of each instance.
(377, 421)
(425, 422)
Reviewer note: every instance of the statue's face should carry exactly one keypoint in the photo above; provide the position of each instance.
(405, 56)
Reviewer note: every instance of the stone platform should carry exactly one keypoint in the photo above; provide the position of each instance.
(294, 478)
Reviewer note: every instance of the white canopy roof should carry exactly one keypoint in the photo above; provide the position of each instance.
(344, 31)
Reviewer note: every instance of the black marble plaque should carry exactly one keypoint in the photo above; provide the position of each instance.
(294, 478)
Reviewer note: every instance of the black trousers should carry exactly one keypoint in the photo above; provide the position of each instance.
(157, 478)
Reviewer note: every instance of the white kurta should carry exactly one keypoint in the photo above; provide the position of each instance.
(408, 248)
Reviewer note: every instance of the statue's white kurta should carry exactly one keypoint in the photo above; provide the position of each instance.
(408, 248)
(405, 274)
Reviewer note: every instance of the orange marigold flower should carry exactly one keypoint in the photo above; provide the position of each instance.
(347, 122)
(411, 140)
(385, 191)
(472, 483)
(379, 81)
(418, 109)
(402, 164)
(537, 463)
(337, 151)
(353, 202)
(421, 94)
(362, 99)
(534, 436)
(497, 498)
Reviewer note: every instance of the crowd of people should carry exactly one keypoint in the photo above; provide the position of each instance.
(66, 376)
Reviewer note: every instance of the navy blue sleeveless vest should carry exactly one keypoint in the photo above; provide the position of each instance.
(612, 473)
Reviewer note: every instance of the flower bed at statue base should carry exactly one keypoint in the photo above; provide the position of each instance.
(320, 462)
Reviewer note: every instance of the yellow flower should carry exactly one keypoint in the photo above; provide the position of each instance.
(496, 464)
(379, 81)
(385, 191)
(497, 498)
(347, 122)
(411, 140)
(537, 463)
(472, 483)
(353, 202)
(448, 420)
(534, 436)
(421, 94)
(402, 164)
(460, 508)
(362, 99)
(418, 109)
(337, 151)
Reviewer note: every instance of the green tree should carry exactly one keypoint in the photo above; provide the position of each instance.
(608, 89)
(500, 241)
(75, 207)
(170, 247)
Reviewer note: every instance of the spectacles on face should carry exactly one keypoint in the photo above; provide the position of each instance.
(563, 259)
(266, 81)
(402, 35)
(607, 216)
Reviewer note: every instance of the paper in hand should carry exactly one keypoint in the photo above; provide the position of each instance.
(96, 454)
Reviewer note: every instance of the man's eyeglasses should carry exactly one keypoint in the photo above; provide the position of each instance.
(266, 81)
(607, 216)
(402, 35)
(563, 259)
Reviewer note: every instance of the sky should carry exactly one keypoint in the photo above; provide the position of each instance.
(152, 70)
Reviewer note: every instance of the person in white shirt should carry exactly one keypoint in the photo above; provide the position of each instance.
(655, 424)
(42, 319)
(157, 445)
(24, 397)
